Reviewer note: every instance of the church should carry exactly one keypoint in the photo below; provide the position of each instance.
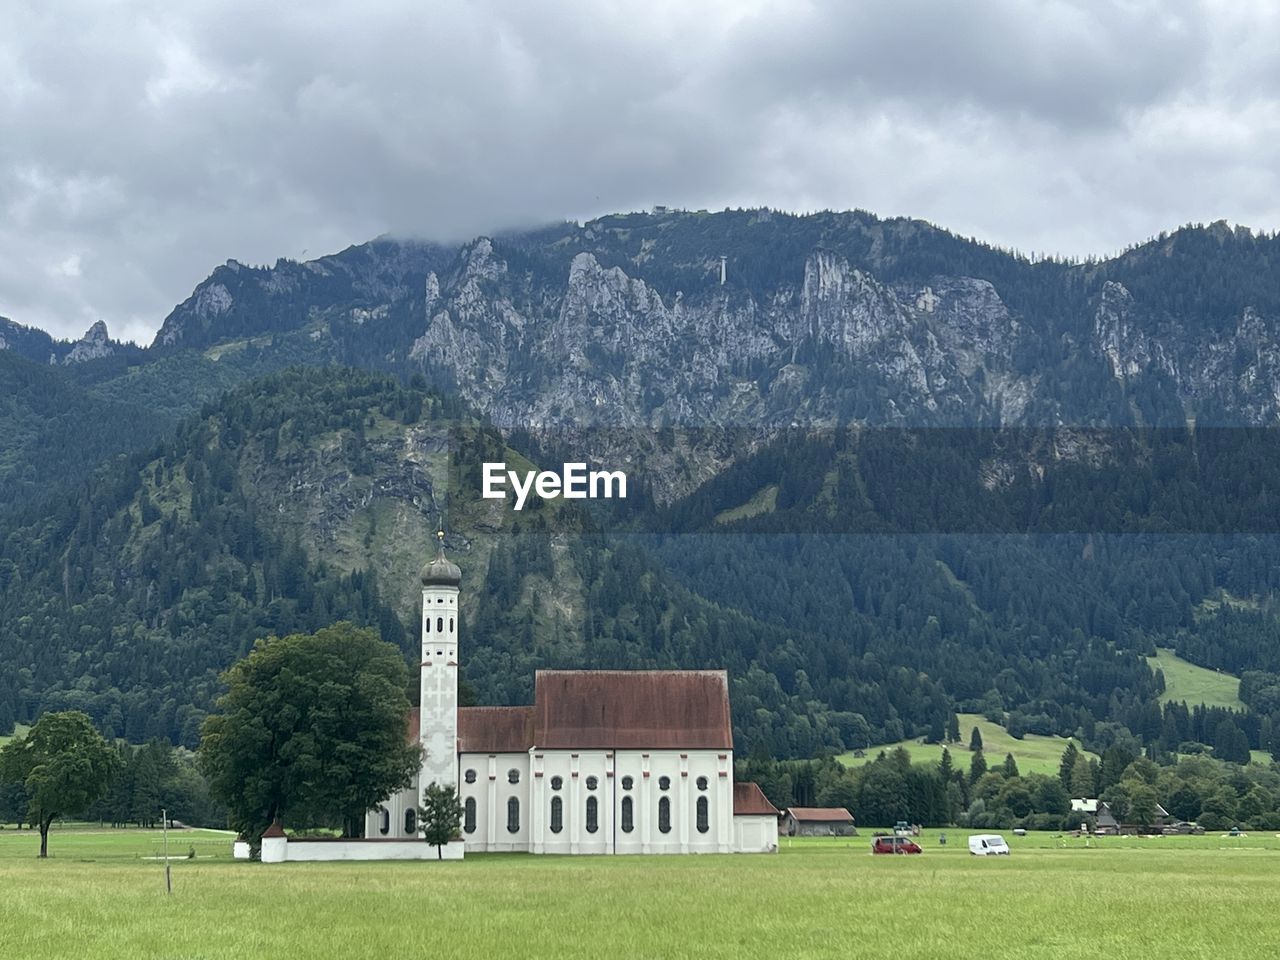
(605, 761)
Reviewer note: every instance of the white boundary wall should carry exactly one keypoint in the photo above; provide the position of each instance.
(284, 850)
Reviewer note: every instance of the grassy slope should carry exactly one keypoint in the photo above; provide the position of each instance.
(816, 899)
(19, 730)
(1186, 681)
(1034, 754)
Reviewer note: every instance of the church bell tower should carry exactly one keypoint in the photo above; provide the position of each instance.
(438, 717)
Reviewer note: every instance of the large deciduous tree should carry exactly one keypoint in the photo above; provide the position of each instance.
(63, 764)
(312, 727)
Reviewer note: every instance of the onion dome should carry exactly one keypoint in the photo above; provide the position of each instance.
(441, 572)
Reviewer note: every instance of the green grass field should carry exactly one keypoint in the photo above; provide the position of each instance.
(1034, 754)
(1203, 897)
(1195, 685)
(19, 730)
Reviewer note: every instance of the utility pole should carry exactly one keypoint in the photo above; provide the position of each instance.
(168, 877)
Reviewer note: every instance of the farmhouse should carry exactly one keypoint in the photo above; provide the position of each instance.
(818, 822)
(1105, 821)
(604, 761)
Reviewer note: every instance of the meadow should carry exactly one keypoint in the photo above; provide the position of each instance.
(1184, 680)
(1054, 897)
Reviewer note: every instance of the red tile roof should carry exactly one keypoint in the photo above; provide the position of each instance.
(632, 709)
(749, 800)
(822, 814)
(495, 729)
(275, 830)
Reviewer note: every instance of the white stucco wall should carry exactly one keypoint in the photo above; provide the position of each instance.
(646, 770)
(396, 807)
(755, 834)
(491, 792)
(280, 850)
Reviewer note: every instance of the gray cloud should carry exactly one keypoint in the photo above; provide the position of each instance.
(145, 144)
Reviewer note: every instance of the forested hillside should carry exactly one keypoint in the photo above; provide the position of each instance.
(55, 433)
(882, 473)
(129, 598)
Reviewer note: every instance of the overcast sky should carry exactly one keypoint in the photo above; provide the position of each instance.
(141, 144)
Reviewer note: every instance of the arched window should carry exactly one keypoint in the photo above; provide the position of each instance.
(411, 821)
(513, 815)
(593, 814)
(664, 783)
(704, 815)
(664, 815)
(627, 783)
(427, 626)
(628, 815)
(557, 783)
(439, 624)
(384, 824)
(469, 815)
(451, 624)
(513, 775)
(592, 783)
(557, 814)
(702, 783)
(469, 776)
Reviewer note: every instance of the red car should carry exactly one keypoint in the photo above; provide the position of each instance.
(895, 845)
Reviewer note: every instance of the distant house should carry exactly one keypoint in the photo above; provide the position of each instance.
(1105, 821)
(818, 822)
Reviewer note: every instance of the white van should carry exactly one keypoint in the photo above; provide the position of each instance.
(988, 845)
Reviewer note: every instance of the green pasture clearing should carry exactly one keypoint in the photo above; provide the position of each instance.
(1053, 898)
(1185, 681)
(765, 500)
(1033, 753)
(19, 730)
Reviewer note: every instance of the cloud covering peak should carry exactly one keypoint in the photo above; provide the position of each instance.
(146, 142)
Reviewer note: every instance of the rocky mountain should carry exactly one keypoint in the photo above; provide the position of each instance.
(28, 342)
(94, 345)
(38, 347)
(171, 504)
(822, 319)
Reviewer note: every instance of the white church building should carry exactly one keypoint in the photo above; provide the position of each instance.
(605, 761)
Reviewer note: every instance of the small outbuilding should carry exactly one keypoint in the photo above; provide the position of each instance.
(818, 822)
(755, 820)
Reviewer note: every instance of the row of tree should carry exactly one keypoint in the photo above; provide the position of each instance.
(1215, 793)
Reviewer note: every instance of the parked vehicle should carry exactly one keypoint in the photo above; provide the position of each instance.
(988, 845)
(895, 845)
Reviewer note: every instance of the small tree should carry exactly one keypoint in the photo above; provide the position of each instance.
(977, 767)
(63, 764)
(440, 815)
(1084, 781)
(975, 740)
(1068, 763)
(1142, 802)
(1010, 768)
